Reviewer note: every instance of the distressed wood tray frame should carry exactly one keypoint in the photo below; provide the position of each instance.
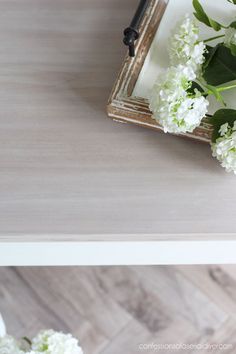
(122, 107)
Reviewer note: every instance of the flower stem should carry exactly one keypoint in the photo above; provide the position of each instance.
(218, 89)
(226, 88)
(213, 38)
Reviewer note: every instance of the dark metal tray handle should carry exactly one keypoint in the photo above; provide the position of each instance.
(131, 33)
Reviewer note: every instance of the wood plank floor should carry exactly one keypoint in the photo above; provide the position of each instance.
(114, 309)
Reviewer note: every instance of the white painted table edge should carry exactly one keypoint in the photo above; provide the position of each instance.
(98, 250)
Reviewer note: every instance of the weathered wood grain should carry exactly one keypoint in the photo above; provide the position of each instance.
(122, 107)
(113, 310)
(183, 298)
(217, 282)
(67, 172)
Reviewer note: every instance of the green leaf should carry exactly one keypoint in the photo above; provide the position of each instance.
(221, 117)
(233, 46)
(220, 66)
(232, 1)
(233, 49)
(210, 52)
(201, 15)
(233, 24)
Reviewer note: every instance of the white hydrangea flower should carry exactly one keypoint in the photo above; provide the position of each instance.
(8, 345)
(173, 107)
(50, 342)
(230, 36)
(224, 149)
(185, 47)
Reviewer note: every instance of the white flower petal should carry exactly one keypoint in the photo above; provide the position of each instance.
(172, 106)
(184, 46)
(8, 345)
(223, 129)
(224, 149)
(50, 342)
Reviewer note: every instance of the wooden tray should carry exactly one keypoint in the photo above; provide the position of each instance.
(125, 108)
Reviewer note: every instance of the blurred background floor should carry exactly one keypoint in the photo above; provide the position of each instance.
(114, 309)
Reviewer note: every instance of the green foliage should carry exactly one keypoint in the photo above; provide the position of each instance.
(233, 46)
(221, 117)
(201, 15)
(233, 49)
(233, 24)
(219, 68)
(220, 65)
(210, 52)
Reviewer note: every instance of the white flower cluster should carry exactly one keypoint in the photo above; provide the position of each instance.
(185, 47)
(230, 36)
(50, 342)
(8, 345)
(224, 149)
(46, 342)
(173, 106)
(177, 110)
